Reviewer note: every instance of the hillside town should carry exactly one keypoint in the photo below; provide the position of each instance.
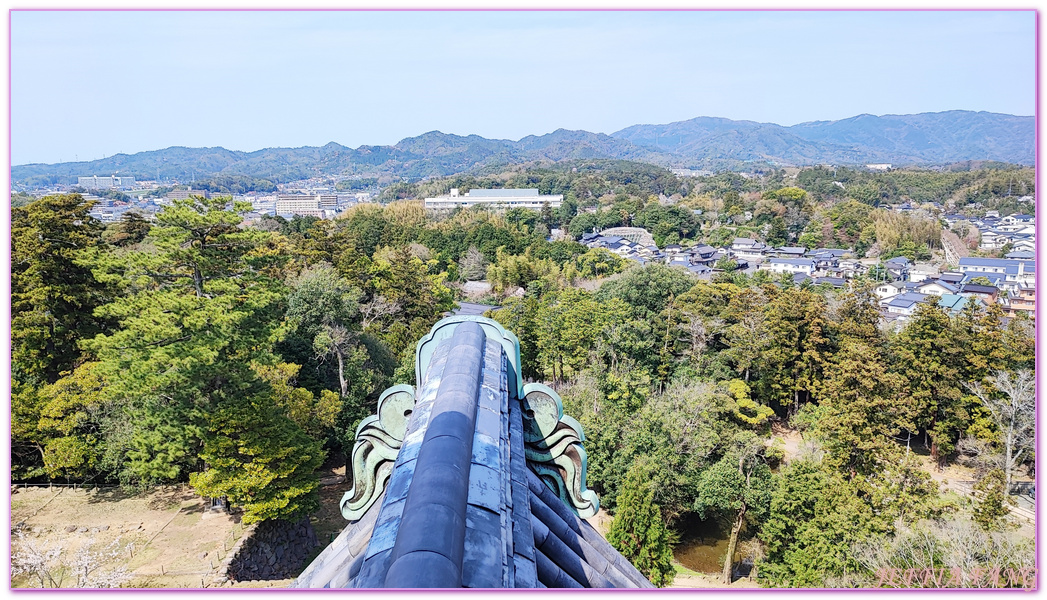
(1010, 281)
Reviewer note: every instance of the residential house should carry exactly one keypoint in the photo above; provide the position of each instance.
(995, 279)
(904, 305)
(749, 249)
(955, 303)
(700, 270)
(898, 267)
(790, 265)
(936, 288)
(827, 253)
(836, 282)
(1022, 300)
(986, 293)
(848, 269)
(826, 260)
(1018, 218)
(1014, 272)
(787, 252)
(922, 272)
(672, 249)
(1021, 255)
(799, 278)
(704, 254)
(888, 289)
(1024, 243)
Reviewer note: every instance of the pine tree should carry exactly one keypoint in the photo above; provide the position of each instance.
(638, 531)
(932, 362)
(200, 308)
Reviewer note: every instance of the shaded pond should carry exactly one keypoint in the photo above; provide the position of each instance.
(702, 544)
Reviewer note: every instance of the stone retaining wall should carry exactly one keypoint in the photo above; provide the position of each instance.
(270, 550)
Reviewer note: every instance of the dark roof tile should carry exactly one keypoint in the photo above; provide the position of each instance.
(488, 538)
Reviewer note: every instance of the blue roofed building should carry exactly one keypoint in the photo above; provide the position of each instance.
(904, 305)
(955, 303)
(1012, 274)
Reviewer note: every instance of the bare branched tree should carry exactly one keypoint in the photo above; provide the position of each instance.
(337, 340)
(473, 265)
(377, 308)
(979, 454)
(1013, 408)
(953, 553)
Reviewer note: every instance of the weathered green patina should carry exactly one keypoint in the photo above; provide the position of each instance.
(469, 479)
(553, 447)
(378, 441)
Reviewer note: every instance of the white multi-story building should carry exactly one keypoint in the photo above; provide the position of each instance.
(298, 204)
(749, 249)
(94, 182)
(507, 198)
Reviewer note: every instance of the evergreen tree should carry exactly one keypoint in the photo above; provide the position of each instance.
(814, 518)
(928, 356)
(53, 292)
(793, 360)
(201, 307)
(779, 233)
(638, 532)
(991, 504)
(261, 460)
(861, 410)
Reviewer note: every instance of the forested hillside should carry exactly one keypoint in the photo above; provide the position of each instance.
(237, 356)
(704, 142)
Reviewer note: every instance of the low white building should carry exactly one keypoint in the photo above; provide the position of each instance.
(94, 182)
(505, 198)
(936, 288)
(748, 249)
(789, 265)
(888, 290)
(923, 272)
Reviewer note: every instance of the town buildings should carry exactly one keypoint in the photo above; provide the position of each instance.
(1009, 282)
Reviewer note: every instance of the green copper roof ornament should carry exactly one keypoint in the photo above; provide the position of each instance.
(553, 447)
(378, 441)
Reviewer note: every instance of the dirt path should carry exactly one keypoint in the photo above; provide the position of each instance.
(700, 580)
(790, 441)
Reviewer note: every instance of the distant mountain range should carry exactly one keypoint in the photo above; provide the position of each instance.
(700, 143)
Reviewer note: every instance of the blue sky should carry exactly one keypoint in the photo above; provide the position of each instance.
(90, 84)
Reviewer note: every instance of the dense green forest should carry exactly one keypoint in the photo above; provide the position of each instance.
(238, 357)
